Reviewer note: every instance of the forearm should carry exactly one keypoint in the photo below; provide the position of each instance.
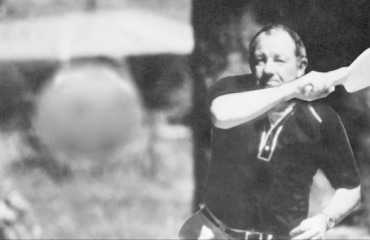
(233, 109)
(230, 110)
(342, 203)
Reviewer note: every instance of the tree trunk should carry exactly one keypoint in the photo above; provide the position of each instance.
(335, 32)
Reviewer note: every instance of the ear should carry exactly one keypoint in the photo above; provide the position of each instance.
(302, 64)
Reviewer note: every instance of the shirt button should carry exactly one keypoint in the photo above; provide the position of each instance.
(267, 148)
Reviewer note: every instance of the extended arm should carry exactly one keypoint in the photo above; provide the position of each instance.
(233, 109)
(342, 203)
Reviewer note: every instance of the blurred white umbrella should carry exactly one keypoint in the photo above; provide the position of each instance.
(109, 113)
(111, 33)
(88, 111)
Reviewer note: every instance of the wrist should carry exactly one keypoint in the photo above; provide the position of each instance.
(288, 91)
(330, 221)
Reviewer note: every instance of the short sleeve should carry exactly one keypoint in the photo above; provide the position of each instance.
(229, 85)
(338, 162)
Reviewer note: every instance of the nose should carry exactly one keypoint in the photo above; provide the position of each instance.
(269, 68)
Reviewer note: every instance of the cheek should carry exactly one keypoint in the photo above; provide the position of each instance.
(289, 74)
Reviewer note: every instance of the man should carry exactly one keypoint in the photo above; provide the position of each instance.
(267, 144)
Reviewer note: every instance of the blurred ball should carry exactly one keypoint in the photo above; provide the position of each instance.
(87, 110)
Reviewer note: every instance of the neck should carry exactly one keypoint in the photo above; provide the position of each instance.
(279, 112)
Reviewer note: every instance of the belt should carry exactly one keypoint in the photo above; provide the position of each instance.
(234, 233)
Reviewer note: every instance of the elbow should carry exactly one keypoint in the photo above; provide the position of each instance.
(358, 195)
(218, 122)
(218, 116)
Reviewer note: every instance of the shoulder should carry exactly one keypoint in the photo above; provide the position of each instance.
(320, 120)
(239, 81)
(322, 112)
(327, 114)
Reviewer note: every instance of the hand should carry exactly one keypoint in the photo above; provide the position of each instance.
(314, 85)
(311, 228)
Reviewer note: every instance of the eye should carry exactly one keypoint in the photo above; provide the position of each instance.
(279, 60)
(259, 60)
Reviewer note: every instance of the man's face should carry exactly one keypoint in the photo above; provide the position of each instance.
(274, 61)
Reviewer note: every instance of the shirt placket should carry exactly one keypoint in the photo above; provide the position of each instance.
(269, 138)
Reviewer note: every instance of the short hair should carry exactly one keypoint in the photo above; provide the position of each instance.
(300, 49)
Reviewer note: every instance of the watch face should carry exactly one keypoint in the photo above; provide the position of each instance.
(330, 222)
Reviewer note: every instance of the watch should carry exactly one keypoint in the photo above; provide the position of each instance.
(330, 222)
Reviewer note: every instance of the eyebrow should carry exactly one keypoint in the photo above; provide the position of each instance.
(261, 54)
(280, 56)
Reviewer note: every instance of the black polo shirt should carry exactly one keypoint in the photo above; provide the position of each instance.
(266, 186)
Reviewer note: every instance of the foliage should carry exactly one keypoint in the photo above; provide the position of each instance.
(144, 194)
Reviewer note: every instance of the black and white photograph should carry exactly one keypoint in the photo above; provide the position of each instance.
(185, 119)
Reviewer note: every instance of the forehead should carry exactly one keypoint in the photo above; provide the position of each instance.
(276, 42)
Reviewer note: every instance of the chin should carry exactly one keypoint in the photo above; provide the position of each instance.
(272, 84)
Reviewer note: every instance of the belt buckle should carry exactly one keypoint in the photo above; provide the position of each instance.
(256, 236)
(253, 235)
